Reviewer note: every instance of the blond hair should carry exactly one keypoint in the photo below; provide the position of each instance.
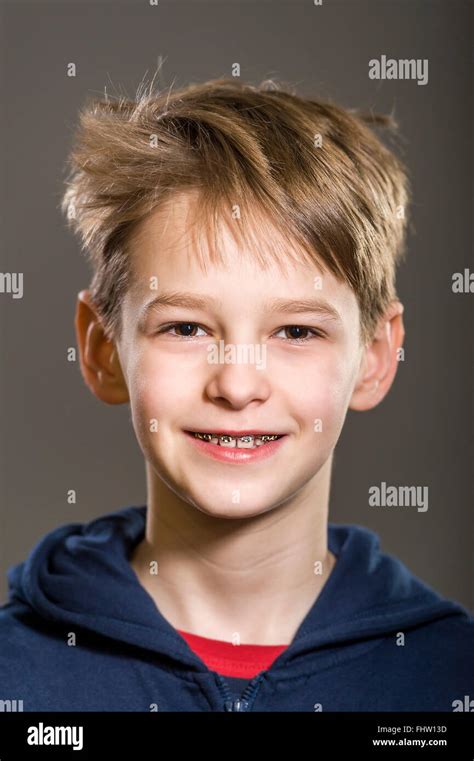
(311, 169)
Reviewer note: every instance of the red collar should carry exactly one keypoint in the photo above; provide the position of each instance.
(244, 661)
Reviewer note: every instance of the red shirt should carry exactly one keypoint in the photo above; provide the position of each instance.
(244, 661)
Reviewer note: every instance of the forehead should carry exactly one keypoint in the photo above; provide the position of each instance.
(227, 234)
(175, 245)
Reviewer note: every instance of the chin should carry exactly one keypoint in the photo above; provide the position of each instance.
(231, 511)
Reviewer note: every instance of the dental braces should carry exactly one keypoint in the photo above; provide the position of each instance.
(247, 439)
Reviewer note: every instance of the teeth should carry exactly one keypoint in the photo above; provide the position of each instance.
(241, 442)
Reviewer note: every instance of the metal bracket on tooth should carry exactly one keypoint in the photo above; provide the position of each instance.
(225, 438)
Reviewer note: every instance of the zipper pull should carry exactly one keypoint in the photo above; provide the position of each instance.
(236, 705)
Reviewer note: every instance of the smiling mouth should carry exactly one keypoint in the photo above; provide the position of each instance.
(246, 441)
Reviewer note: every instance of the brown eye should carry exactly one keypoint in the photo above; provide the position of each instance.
(298, 333)
(187, 329)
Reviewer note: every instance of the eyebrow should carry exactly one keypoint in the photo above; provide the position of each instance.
(190, 300)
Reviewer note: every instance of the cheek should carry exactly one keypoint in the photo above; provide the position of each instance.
(318, 394)
(157, 390)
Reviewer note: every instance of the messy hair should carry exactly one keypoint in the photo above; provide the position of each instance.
(314, 172)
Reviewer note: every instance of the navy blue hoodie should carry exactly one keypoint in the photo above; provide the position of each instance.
(376, 639)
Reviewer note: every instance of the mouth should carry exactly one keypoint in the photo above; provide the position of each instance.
(237, 447)
(234, 440)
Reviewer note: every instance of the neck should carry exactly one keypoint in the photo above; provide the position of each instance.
(257, 576)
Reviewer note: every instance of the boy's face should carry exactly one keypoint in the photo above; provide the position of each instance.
(298, 388)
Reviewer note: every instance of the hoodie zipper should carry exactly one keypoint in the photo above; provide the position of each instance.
(245, 702)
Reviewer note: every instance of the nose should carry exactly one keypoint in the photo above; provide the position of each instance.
(238, 383)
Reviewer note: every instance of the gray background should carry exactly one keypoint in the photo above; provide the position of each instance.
(55, 435)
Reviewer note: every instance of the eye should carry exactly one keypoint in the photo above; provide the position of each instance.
(187, 331)
(187, 327)
(302, 329)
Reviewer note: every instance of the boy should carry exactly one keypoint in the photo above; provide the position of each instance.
(244, 242)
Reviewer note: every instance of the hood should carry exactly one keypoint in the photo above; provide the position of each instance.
(80, 575)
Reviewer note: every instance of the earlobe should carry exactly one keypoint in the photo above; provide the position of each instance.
(100, 365)
(366, 393)
(380, 361)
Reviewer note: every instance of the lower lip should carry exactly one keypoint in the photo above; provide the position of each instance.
(235, 454)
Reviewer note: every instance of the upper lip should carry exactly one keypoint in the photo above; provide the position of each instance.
(230, 432)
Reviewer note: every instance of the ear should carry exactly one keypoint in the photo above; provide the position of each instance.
(379, 362)
(100, 364)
